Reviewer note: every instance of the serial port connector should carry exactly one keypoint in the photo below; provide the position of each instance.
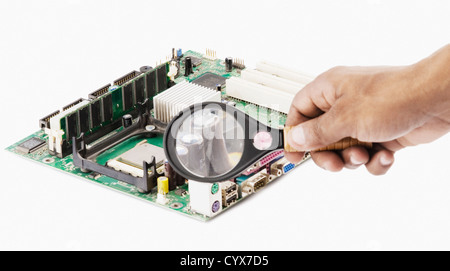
(254, 183)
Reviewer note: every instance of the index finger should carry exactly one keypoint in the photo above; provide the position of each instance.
(312, 101)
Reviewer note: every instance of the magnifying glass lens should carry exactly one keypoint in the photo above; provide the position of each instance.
(209, 142)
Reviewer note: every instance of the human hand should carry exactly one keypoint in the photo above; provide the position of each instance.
(394, 107)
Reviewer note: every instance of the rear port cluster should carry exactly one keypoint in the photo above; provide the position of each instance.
(261, 173)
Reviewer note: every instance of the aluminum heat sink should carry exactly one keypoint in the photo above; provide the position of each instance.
(169, 103)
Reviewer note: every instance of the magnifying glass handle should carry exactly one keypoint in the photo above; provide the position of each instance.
(340, 145)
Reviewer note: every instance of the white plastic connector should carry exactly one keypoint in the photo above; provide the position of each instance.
(173, 70)
(283, 72)
(162, 199)
(204, 199)
(272, 81)
(258, 94)
(55, 133)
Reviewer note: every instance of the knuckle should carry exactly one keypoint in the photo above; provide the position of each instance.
(317, 131)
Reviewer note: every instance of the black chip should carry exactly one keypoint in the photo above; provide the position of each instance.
(210, 80)
(30, 145)
(162, 78)
(96, 116)
(180, 192)
(127, 94)
(83, 117)
(195, 61)
(139, 87)
(151, 84)
(71, 126)
(107, 108)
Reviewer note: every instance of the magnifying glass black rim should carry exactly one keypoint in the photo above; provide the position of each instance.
(249, 154)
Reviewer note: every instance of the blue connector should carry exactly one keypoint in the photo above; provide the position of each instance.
(288, 167)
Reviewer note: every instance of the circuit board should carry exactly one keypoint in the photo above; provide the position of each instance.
(177, 199)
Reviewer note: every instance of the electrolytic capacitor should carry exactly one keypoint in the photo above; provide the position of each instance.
(163, 185)
(171, 174)
(145, 69)
(228, 64)
(209, 125)
(127, 120)
(195, 153)
(180, 179)
(163, 190)
(187, 66)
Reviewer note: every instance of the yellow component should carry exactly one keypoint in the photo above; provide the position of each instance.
(163, 185)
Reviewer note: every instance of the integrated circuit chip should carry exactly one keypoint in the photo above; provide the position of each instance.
(210, 80)
(195, 61)
(30, 145)
(180, 192)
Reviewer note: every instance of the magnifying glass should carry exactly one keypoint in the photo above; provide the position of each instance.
(211, 142)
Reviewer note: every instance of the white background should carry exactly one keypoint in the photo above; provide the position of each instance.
(53, 52)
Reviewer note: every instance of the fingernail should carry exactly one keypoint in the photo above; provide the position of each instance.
(326, 166)
(355, 161)
(385, 161)
(298, 135)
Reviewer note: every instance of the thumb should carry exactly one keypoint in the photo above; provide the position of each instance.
(317, 133)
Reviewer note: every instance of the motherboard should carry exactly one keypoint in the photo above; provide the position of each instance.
(114, 137)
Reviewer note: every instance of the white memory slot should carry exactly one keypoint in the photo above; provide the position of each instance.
(271, 81)
(55, 121)
(55, 134)
(182, 95)
(258, 94)
(275, 69)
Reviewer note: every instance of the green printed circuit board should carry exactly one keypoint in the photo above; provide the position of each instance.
(206, 71)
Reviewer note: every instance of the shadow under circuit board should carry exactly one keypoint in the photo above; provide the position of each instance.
(110, 108)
